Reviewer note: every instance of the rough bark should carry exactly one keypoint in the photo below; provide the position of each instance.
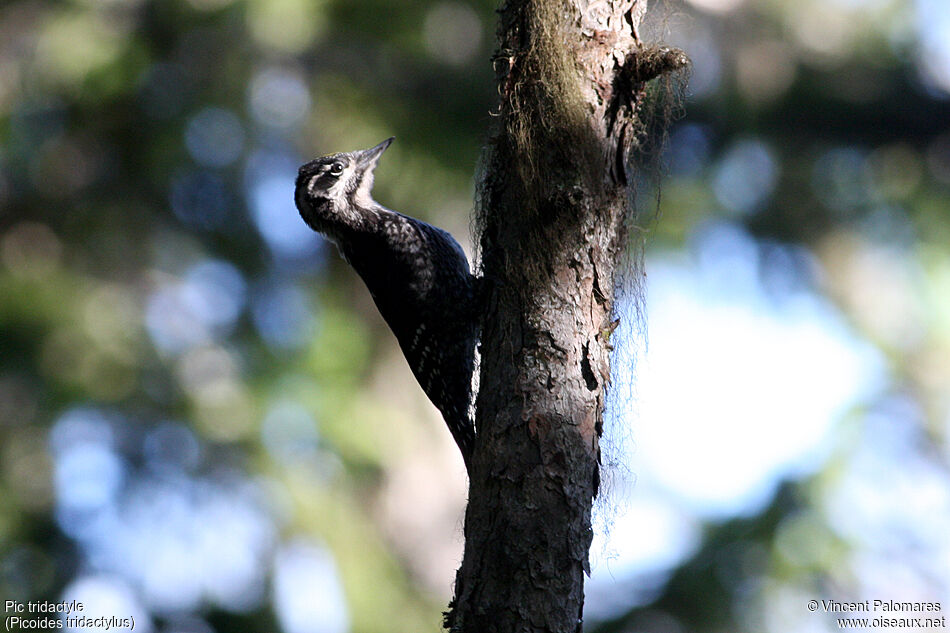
(552, 214)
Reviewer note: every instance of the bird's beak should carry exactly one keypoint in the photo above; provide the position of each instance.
(367, 158)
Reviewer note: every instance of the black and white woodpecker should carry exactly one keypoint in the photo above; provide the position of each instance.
(417, 274)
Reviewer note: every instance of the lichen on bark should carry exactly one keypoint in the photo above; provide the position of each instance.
(553, 214)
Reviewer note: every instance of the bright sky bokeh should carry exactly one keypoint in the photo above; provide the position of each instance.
(739, 389)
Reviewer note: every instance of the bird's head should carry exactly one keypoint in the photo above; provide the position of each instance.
(334, 191)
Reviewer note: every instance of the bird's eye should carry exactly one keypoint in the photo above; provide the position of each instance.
(336, 168)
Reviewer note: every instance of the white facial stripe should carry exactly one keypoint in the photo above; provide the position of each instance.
(363, 196)
(338, 189)
(312, 185)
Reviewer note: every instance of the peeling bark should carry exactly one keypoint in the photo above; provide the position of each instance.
(552, 214)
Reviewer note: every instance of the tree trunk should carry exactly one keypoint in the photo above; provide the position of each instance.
(552, 212)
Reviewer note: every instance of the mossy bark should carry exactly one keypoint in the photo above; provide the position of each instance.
(553, 214)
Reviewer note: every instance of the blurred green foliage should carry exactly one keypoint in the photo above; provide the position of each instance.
(155, 275)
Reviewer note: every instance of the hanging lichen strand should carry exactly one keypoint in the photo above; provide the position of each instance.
(552, 214)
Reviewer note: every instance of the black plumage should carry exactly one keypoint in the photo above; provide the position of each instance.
(417, 274)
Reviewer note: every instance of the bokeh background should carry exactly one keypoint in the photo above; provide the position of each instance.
(205, 425)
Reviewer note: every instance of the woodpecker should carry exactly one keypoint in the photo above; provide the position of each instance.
(417, 274)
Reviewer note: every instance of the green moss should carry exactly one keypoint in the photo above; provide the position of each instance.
(546, 118)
